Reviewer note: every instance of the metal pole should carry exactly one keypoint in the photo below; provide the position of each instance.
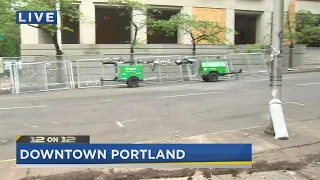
(59, 36)
(276, 64)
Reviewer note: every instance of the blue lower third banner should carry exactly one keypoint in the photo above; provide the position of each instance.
(135, 155)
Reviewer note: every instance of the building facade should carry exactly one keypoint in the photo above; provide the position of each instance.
(252, 19)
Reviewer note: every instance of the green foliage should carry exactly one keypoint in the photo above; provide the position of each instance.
(307, 24)
(9, 46)
(304, 29)
(68, 10)
(199, 30)
(141, 9)
(248, 48)
(290, 34)
(254, 47)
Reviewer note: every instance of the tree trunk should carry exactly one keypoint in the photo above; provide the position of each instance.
(194, 49)
(58, 58)
(291, 55)
(133, 44)
(131, 53)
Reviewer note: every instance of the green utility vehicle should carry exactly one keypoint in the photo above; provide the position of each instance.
(210, 71)
(127, 72)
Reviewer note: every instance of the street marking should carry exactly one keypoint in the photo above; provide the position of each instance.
(268, 79)
(27, 125)
(107, 100)
(7, 160)
(24, 107)
(130, 120)
(18, 97)
(184, 95)
(294, 103)
(308, 84)
(119, 124)
(130, 106)
(151, 88)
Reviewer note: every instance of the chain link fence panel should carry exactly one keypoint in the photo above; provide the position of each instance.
(41, 76)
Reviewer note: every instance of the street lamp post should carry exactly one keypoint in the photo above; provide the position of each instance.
(276, 113)
(59, 37)
(276, 64)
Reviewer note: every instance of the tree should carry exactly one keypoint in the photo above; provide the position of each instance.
(199, 30)
(307, 24)
(140, 9)
(290, 34)
(9, 30)
(67, 10)
(302, 28)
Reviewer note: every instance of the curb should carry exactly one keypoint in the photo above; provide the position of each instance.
(300, 71)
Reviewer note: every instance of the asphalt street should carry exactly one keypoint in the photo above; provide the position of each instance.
(120, 114)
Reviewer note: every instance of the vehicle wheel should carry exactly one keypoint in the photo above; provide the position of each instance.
(205, 78)
(133, 82)
(213, 77)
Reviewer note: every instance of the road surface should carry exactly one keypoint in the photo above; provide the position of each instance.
(120, 114)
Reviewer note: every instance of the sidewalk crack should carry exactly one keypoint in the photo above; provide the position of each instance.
(27, 172)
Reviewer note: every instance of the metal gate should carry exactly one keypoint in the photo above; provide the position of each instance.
(41, 76)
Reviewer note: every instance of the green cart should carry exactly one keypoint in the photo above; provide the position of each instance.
(130, 73)
(210, 71)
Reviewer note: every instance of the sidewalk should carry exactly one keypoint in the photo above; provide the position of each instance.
(297, 158)
(302, 69)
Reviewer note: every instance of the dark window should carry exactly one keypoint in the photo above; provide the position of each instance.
(112, 26)
(70, 37)
(245, 26)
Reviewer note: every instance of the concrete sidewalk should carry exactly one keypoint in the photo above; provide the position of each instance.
(297, 158)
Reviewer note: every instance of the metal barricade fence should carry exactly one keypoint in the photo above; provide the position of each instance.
(161, 68)
(252, 64)
(90, 71)
(41, 76)
(156, 69)
(5, 81)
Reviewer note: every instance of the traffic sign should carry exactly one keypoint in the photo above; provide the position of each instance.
(1, 37)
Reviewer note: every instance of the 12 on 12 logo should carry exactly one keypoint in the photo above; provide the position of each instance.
(36, 17)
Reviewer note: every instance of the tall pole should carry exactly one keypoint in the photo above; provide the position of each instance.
(276, 64)
(59, 36)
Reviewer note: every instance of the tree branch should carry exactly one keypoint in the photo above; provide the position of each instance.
(35, 26)
(39, 27)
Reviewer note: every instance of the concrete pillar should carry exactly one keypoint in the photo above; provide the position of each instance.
(139, 19)
(263, 28)
(184, 38)
(87, 23)
(230, 23)
(29, 35)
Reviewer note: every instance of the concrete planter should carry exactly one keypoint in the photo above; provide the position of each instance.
(298, 56)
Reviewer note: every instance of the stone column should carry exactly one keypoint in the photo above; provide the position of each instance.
(138, 18)
(87, 23)
(29, 35)
(184, 38)
(230, 23)
(263, 28)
